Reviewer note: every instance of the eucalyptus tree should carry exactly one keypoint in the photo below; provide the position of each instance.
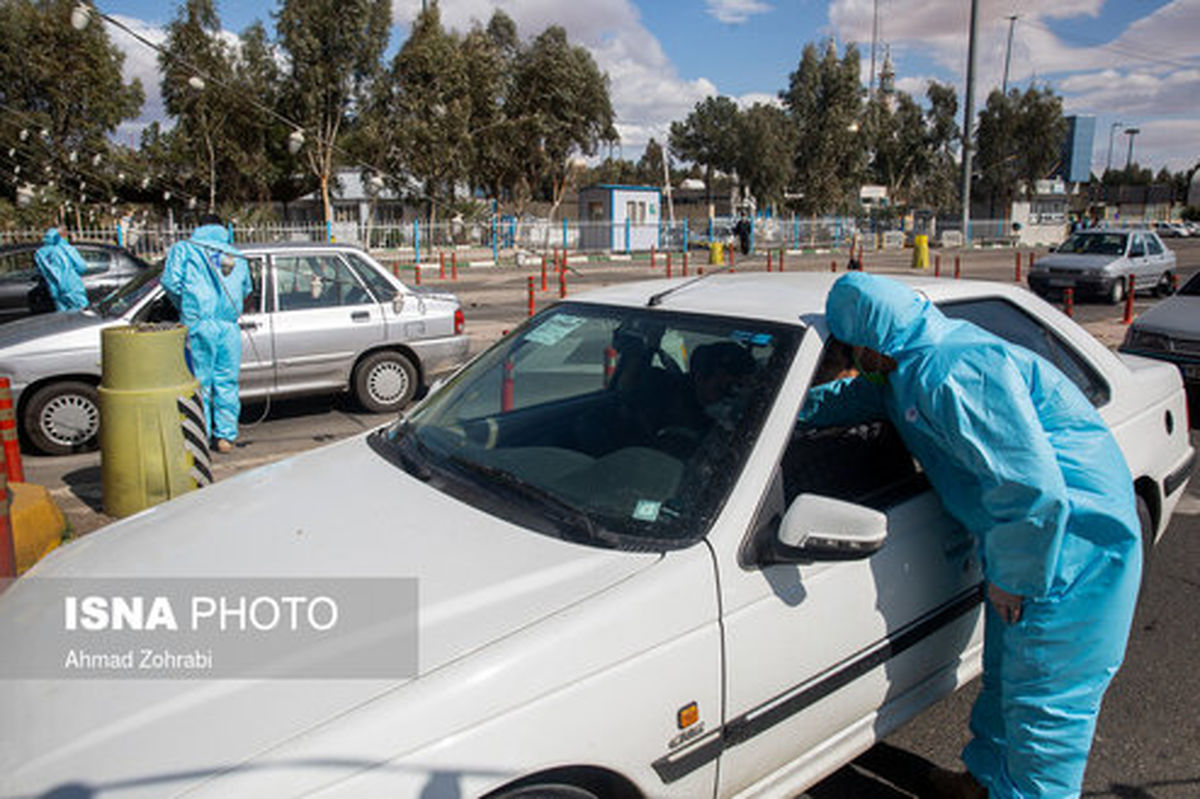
(767, 142)
(710, 136)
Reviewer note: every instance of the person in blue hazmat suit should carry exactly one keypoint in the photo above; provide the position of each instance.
(1019, 456)
(208, 280)
(61, 267)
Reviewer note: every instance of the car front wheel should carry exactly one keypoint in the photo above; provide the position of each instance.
(1117, 292)
(384, 382)
(61, 418)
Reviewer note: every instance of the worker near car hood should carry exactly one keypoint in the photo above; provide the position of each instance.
(61, 266)
(1022, 459)
(208, 280)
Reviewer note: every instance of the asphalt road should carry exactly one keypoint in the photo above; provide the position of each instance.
(1148, 742)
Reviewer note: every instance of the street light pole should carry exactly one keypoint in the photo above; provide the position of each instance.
(1012, 21)
(968, 118)
(1130, 132)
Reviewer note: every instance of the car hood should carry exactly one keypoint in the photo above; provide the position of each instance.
(1083, 263)
(51, 330)
(1177, 316)
(342, 511)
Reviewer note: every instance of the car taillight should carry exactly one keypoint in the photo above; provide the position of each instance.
(460, 321)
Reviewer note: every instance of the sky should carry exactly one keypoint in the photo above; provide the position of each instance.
(1128, 63)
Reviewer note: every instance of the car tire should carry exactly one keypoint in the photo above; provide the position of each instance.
(1117, 292)
(1164, 288)
(62, 418)
(1146, 531)
(547, 791)
(385, 382)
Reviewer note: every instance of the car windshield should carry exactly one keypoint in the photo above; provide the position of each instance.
(120, 300)
(1192, 287)
(1095, 244)
(614, 427)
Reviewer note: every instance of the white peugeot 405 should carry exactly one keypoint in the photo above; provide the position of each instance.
(636, 575)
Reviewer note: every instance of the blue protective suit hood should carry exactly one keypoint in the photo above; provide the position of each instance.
(62, 267)
(881, 314)
(52, 237)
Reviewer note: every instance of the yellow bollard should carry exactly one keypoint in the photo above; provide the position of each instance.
(716, 253)
(920, 259)
(153, 444)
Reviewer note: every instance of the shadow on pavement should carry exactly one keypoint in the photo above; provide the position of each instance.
(882, 772)
(85, 485)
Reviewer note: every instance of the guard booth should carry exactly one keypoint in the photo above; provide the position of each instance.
(619, 218)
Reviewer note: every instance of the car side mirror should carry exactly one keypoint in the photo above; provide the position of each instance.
(822, 528)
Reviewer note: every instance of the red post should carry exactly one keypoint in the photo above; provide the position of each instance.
(780, 259)
(651, 256)
(768, 260)
(562, 279)
(1031, 257)
(1069, 301)
(1174, 282)
(610, 364)
(730, 251)
(685, 263)
(1017, 276)
(530, 296)
(441, 265)
(507, 386)
(543, 271)
(8, 432)
(833, 265)
(454, 266)
(668, 263)
(1128, 318)
(417, 273)
(861, 245)
(937, 265)
(396, 268)
(957, 267)
(699, 270)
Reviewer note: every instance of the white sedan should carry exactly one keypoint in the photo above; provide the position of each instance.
(635, 575)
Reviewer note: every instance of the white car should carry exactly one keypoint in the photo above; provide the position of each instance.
(629, 585)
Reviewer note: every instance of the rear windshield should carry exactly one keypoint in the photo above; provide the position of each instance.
(1095, 244)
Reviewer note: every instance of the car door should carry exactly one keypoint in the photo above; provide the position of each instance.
(1139, 262)
(1162, 261)
(257, 377)
(814, 649)
(18, 279)
(323, 318)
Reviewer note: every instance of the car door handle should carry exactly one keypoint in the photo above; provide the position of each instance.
(248, 325)
(360, 316)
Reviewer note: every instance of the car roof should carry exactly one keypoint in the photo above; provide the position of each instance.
(264, 246)
(790, 298)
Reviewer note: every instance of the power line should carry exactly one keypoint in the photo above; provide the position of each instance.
(1114, 48)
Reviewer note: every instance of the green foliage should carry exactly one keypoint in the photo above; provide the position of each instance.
(68, 84)
(1019, 140)
(710, 136)
(823, 99)
(333, 52)
(764, 157)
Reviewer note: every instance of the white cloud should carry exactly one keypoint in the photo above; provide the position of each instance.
(733, 12)
(647, 91)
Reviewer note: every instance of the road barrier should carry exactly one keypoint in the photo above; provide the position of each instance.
(13, 466)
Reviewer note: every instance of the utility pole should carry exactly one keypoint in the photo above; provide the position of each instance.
(1111, 130)
(874, 40)
(968, 118)
(1012, 21)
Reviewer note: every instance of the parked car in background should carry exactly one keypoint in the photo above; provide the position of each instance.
(23, 292)
(1172, 230)
(321, 318)
(1099, 262)
(1170, 331)
(627, 588)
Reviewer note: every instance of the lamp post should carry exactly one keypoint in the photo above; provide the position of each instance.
(1130, 132)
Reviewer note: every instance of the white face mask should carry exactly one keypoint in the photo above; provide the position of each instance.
(227, 263)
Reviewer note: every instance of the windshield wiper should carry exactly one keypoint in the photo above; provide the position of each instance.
(409, 461)
(569, 514)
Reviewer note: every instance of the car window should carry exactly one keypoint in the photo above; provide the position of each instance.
(17, 266)
(254, 300)
(98, 261)
(1138, 248)
(1017, 327)
(380, 286)
(1153, 245)
(1192, 287)
(316, 281)
(1095, 244)
(613, 426)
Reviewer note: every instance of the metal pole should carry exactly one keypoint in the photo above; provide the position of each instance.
(968, 118)
(1111, 130)
(1130, 132)
(1012, 21)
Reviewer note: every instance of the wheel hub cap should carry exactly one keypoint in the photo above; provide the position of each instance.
(70, 419)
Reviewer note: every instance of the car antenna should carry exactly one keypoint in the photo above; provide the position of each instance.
(656, 299)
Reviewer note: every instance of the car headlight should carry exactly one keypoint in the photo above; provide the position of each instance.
(1145, 340)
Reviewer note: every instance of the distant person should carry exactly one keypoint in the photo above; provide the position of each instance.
(61, 267)
(742, 229)
(208, 280)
